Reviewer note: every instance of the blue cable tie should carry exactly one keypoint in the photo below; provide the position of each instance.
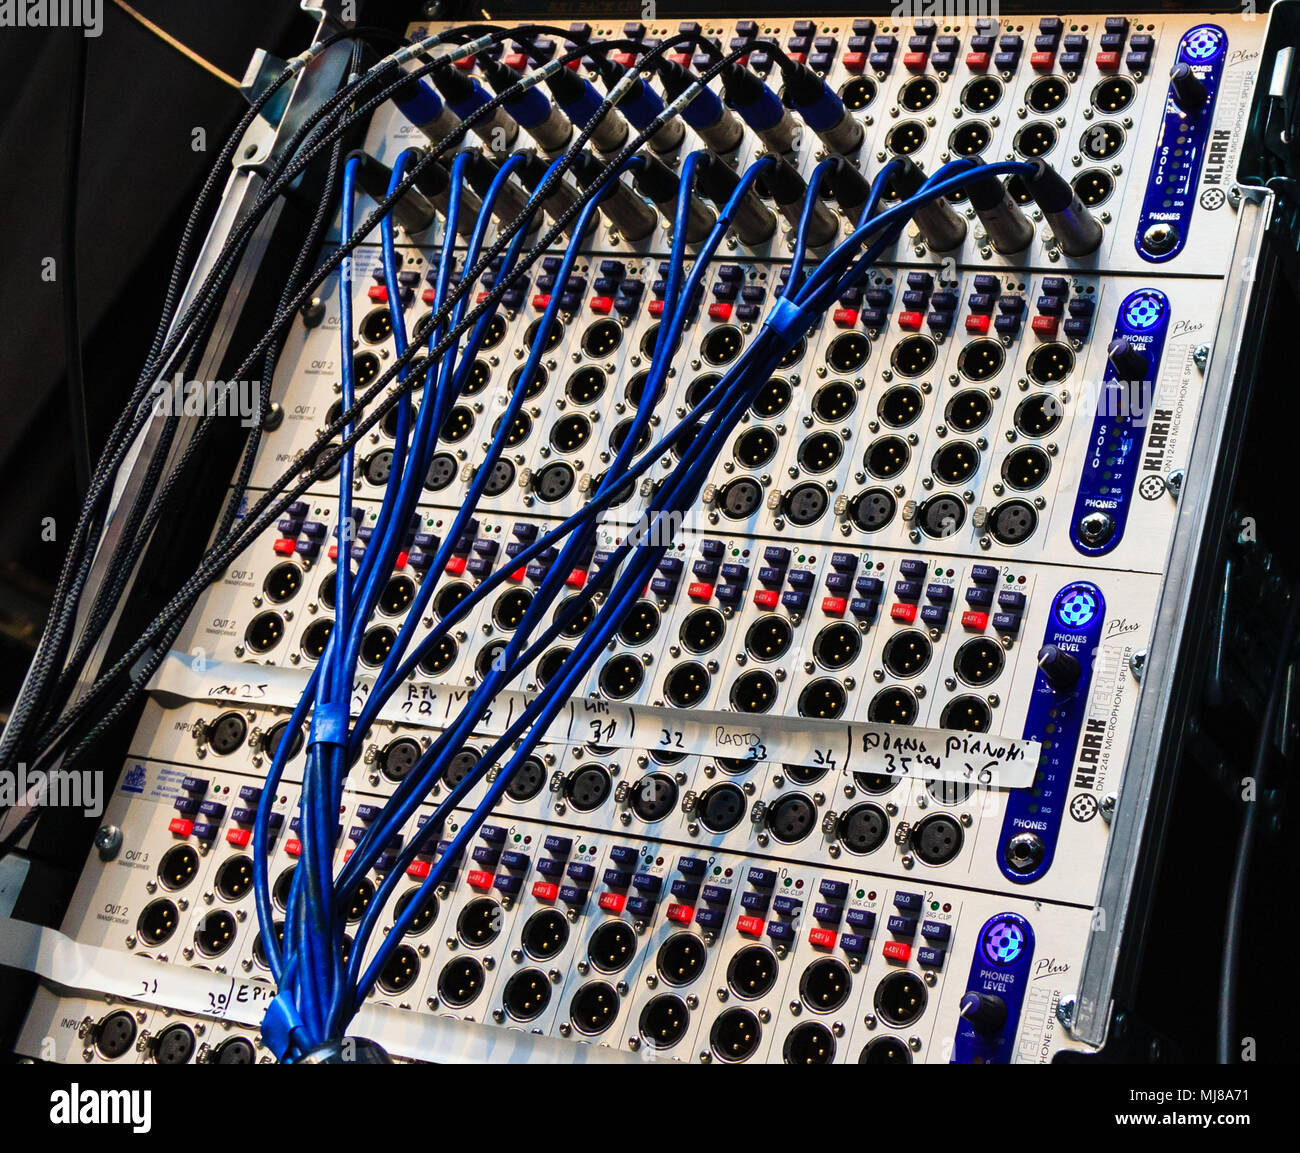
(329, 725)
(788, 320)
(279, 1025)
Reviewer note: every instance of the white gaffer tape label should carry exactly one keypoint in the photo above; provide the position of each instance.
(844, 745)
(98, 971)
(847, 746)
(95, 972)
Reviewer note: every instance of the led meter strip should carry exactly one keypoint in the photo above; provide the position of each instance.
(846, 746)
(99, 973)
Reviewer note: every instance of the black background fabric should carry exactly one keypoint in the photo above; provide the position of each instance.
(139, 176)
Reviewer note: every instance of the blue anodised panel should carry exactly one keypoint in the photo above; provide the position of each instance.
(1110, 471)
(999, 969)
(1055, 719)
(1181, 147)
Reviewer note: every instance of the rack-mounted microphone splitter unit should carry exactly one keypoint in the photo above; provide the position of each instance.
(949, 509)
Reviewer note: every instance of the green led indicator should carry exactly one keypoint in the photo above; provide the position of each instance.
(518, 838)
(861, 893)
(786, 882)
(582, 848)
(934, 906)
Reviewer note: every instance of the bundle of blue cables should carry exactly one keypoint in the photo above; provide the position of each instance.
(319, 990)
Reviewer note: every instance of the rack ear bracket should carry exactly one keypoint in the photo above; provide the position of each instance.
(263, 69)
